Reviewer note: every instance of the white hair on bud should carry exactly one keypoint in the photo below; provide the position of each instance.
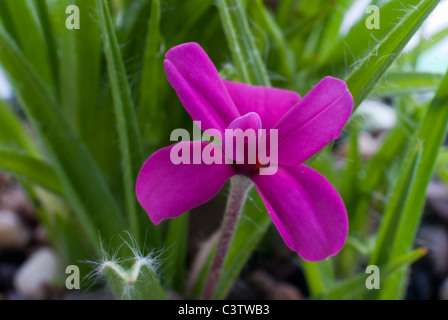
(129, 276)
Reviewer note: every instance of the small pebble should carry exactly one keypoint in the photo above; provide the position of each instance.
(7, 271)
(39, 271)
(5, 181)
(377, 115)
(275, 290)
(40, 235)
(435, 237)
(14, 234)
(443, 291)
(437, 199)
(368, 144)
(15, 200)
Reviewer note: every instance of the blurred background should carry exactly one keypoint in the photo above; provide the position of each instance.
(63, 177)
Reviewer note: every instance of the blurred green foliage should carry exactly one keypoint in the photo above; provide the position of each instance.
(96, 103)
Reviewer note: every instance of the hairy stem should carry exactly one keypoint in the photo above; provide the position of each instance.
(239, 188)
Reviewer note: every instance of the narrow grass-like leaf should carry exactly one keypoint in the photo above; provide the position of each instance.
(319, 275)
(30, 169)
(31, 37)
(350, 191)
(433, 40)
(44, 19)
(7, 21)
(352, 167)
(88, 68)
(403, 83)
(79, 65)
(285, 10)
(67, 60)
(126, 121)
(190, 13)
(331, 35)
(360, 39)
(13, 132)
(149, 112)
(430, 136)
(355, 286)
(242, 43)
(131, 28)
(267, 22)
(176, 253)
(375, 63)
(395, 209)
(442, 165)
(83, 183)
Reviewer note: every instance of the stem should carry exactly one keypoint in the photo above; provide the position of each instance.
(239, 188)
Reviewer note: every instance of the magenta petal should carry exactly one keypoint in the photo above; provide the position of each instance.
(306, 209)
(312, 123)
(239, 152)
(197, 83)
(166, 190)
(270, 103)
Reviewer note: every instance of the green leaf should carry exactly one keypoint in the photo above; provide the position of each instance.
(424, 45)
(31, 169)
(242, 43)
(399, 228)
(434, 40)
(404, 83)
(30, 37)
(372, 67)
(266, 21)
(319, 275)
(13, 133)
(442, 165)
(79, 68)
(346, 261)
(127, 126)
(176, 253)
(285, 10)
(360, 40)
(87, 41)
(180, 20)
(331, 35)
(394, 213)
(355, 286)
(131, 24)
(75, 167)
(43, 16)
(149, 111)
(67, 61)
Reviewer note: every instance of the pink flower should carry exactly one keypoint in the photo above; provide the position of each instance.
(306, 209)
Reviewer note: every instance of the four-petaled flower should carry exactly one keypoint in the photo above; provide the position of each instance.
(306, 209)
